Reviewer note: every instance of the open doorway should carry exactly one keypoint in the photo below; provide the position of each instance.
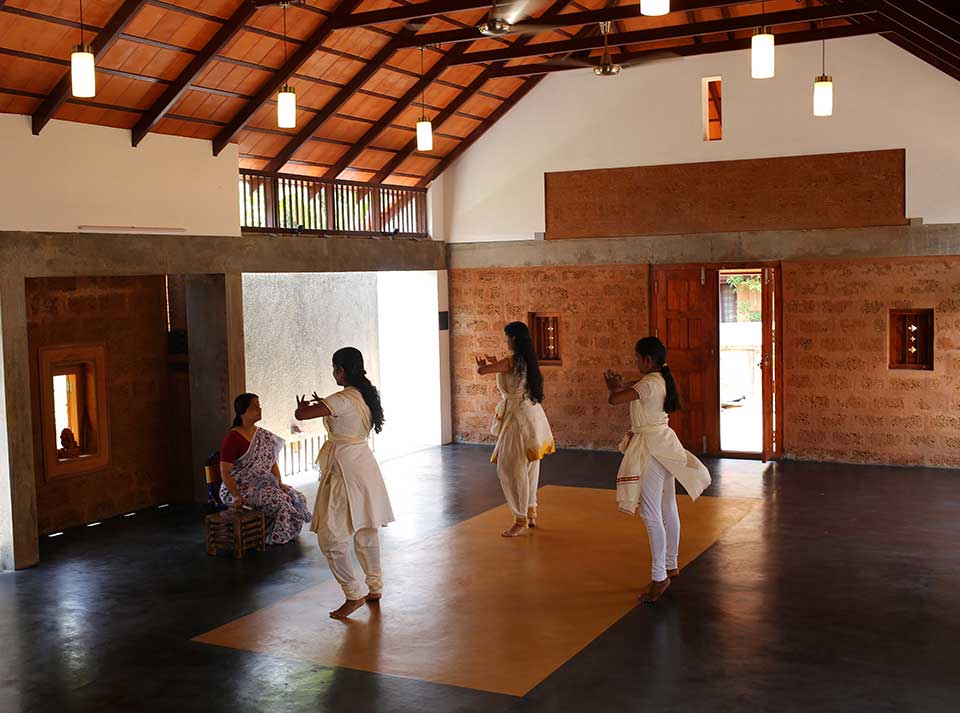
(741, 354)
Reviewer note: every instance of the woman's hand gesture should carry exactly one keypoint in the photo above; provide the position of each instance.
(316, 399)
(481, 361)
(613, 380)
(302, 402)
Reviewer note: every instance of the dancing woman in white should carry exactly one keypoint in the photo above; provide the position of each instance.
(352, 500)
(521, 427)
(652, 458)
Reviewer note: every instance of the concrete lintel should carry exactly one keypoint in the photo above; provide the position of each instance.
(30, 254)
(864, 243)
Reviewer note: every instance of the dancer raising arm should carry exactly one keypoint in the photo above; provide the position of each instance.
(652, 457)
(521, 426)
(352, 500)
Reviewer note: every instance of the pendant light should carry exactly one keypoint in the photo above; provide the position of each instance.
(762, 51)
(823, 88)
(424, 127)
(654, 7)
(83, 75)
(287, 98)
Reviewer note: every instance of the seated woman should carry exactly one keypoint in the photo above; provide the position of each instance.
(248, 464)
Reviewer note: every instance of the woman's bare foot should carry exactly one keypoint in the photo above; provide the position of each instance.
(374, 597)
(515, 531)
(655, 591)
(531, 517)
(347, 608)
(671, 573)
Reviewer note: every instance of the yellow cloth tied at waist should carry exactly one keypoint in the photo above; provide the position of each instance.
(329, 448)
(628, 436)
(501, 411)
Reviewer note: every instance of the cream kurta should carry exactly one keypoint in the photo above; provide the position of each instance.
(653, 437)
(352, 494)
(521, 427)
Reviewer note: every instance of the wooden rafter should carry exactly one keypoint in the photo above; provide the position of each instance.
(783, 38)
(399, 106)
(103, 41)
(521, 91)
(277, 78)
(193, 70)
(338, 100)
(574, 19)
(911, 20)
(462, 97)
(681, 31)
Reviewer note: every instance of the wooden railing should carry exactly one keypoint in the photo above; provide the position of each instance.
(285, 203)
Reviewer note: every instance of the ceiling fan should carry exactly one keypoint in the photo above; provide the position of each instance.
(268, 3)
(496, 24)
(607, 67)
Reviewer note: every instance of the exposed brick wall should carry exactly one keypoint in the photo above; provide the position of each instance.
(604, 310)
(841, 401)
(128, 315)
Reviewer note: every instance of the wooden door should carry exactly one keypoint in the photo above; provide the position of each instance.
(772, 364)
(686, 319)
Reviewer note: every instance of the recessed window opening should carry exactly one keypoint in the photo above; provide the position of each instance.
(712, 108)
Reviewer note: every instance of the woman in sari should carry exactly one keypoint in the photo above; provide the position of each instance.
(521, 427)
(652, 458)
(251, 477)
(352, 501)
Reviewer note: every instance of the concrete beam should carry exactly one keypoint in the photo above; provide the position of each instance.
(67, 254)
(19, 539)
(895, 241)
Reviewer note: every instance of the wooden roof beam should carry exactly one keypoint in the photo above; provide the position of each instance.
(337, 101)
(905, 18)
(573, 19)
(670, 32)
(101, 43)
(197, 65)
(784, 38)
(399, 106)
(277, 78)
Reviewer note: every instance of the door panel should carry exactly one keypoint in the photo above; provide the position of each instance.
(686, 319)
(772, 365)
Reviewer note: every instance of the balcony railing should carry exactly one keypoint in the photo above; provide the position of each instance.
(272, 202)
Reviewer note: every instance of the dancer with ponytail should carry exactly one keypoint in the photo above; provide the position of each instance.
(521, 427)
(352, 501)
(652, 457)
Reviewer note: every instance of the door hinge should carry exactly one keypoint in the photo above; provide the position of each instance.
(703, 275)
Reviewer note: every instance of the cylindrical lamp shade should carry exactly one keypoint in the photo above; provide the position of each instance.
(83, 73)
(424, 135)
(762, 55)
(654, 7)
(287, 108)
(823, 96)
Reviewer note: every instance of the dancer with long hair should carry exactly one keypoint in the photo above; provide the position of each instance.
(521, 426)
(652, 458)
(352, 501)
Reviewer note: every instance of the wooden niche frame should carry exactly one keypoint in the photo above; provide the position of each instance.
(911, 339)
(545, 330)
(87, 363)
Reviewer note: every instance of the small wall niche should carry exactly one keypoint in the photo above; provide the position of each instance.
(911, 339)
(712, 100)
(545, 330)
(73, 406)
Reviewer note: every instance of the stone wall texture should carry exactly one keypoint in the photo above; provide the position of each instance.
(128, 316)
(604, 310)
(841, 401)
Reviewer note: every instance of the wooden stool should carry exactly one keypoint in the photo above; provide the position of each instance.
(236, 530)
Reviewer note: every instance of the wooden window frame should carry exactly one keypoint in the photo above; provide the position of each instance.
(536, 335)
(925, 339)
(55, 361)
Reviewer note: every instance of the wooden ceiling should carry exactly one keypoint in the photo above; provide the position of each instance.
(210, 69)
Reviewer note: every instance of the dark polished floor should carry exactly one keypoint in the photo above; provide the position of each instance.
(841, 592)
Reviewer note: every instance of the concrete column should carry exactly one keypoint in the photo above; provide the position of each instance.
(19, 540)
(446, 402)
(214, 316)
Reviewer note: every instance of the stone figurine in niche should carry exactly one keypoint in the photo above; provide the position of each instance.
(69, 446)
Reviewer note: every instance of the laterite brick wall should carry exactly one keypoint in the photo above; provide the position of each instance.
(841, 401)
(128, 315)
(604, 311)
